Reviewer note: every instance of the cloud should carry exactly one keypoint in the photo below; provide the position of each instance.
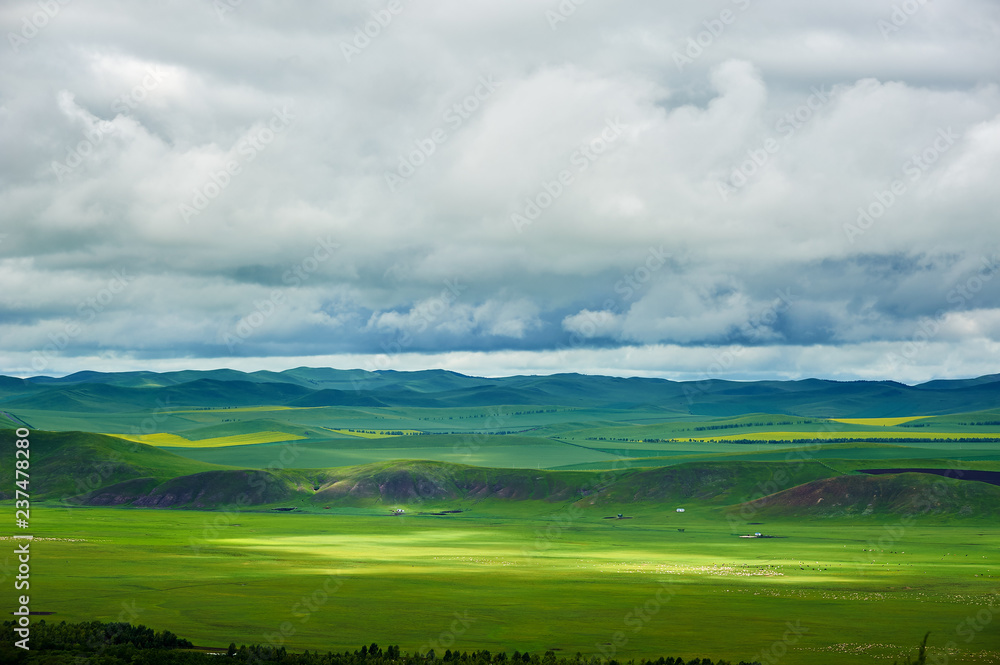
(808, 179)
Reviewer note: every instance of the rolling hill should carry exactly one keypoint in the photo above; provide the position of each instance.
(905, 496)
(312, 437)
(105, 392)
(77, 468)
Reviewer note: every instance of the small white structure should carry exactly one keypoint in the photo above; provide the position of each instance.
(680, 510)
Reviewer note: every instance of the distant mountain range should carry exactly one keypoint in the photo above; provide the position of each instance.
(99, 392)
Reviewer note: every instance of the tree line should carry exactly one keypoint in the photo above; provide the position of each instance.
(97, 643)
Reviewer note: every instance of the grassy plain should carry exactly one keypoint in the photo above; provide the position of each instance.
(503, 436)
(529, 575)
(521, 572)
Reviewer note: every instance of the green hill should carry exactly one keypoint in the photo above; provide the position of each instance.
(93, 469)
(98, 392)
(334, 397)
(67, 464)
(901, 496)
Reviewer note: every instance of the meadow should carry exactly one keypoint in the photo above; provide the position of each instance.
(533, 577)
(511, 436)
(530, 576)
(274, 515)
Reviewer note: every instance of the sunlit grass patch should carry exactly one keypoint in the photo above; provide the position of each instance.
(859, 436)
(175, 441)
(883, 422)
(159, 439)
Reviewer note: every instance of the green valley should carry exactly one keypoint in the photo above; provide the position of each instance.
(615, 518)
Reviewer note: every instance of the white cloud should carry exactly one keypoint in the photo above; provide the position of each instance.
(820, 109)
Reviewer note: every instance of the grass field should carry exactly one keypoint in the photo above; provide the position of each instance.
(531, 563)
(557, 437)
(176, 441)
(859, 436)
(882, 422)
(374, 434)
(532, 576)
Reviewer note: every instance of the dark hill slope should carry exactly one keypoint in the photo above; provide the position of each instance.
(902, 496)
(229, 490)
(65, 464)
(716, 483)
(107, 398)
(418, 482)
(95, 469)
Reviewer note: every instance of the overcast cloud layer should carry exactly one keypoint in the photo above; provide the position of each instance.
(744, 189)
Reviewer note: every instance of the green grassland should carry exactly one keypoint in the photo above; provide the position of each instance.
(504, 436)
(531, 561)
(529, 575)
(273, 495)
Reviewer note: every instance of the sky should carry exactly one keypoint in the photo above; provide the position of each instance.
(740, 189)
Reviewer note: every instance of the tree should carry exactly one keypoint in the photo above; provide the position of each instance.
(921, 654)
